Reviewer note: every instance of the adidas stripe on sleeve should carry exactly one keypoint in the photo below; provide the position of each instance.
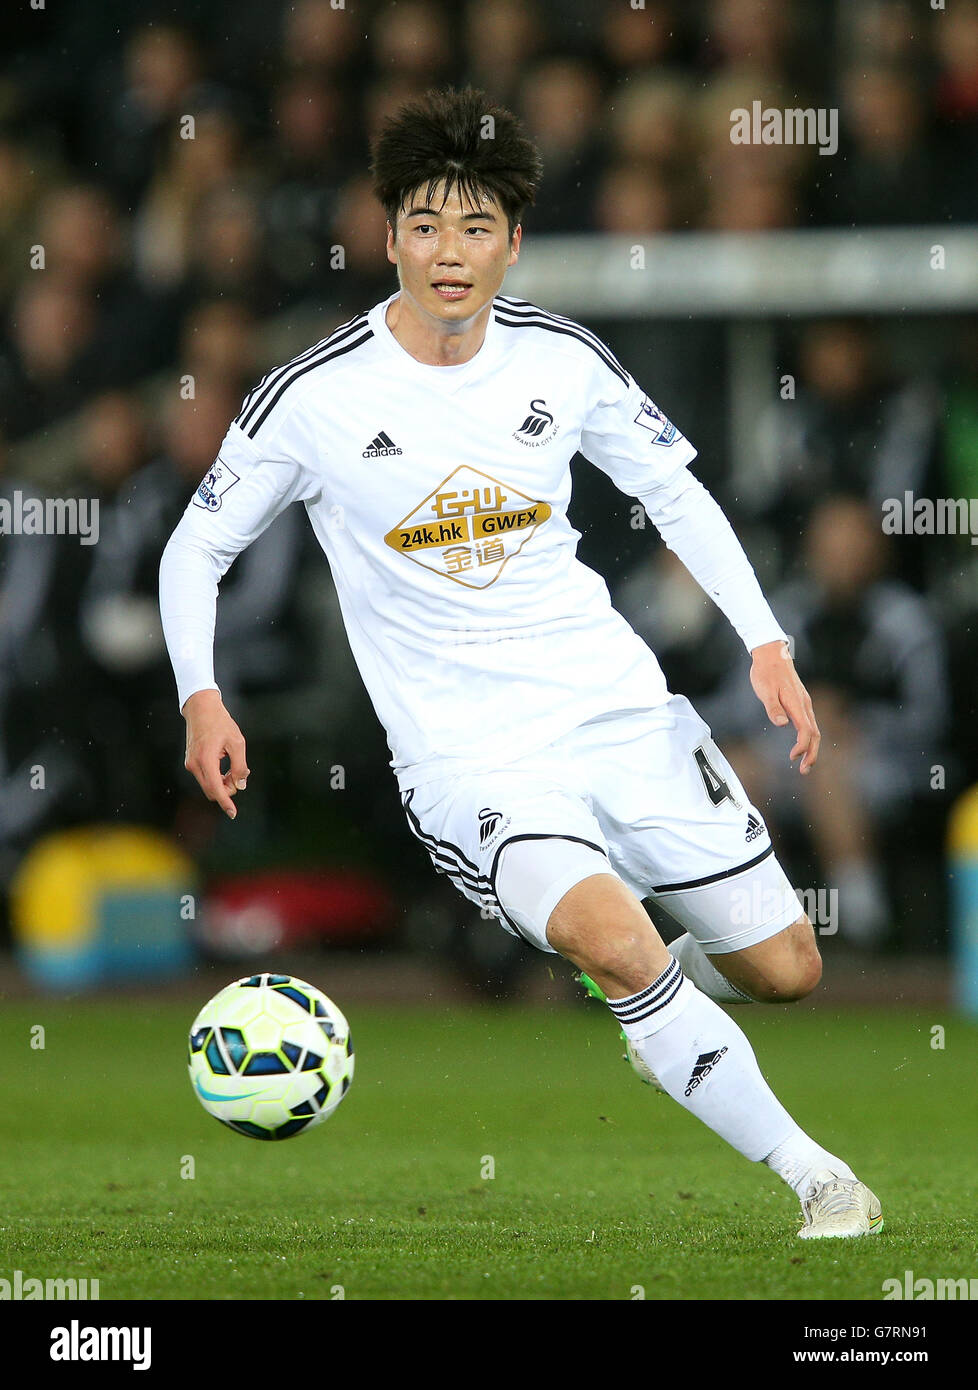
(276, 390)
(519, 313)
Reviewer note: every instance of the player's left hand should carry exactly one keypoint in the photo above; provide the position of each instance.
(777, 686)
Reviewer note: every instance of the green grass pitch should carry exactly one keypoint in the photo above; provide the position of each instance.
(602, 1189)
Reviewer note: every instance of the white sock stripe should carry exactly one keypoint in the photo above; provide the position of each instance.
(649, 999)
(649, 1011)
(645, 996)
(630, 999)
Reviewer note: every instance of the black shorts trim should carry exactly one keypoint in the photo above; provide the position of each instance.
(713, 878)
(443, 849)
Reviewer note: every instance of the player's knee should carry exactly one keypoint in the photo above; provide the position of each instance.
(794, 984)
(794, 972)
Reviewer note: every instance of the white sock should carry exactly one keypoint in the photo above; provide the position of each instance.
(702, 1059)
(698, 967)
(798, 1158)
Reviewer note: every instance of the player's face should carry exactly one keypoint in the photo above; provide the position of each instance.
(451, 259)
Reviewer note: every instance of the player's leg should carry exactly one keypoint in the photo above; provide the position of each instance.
(601, 927)
(784, 968)
(698, 1054)
(681, 829)
(540, 858)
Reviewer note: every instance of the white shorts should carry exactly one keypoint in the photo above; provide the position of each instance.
(644, 794)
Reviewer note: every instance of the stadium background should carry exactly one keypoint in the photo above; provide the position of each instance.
(171, 263)
(168, 260)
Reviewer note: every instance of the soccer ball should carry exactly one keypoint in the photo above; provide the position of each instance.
(270, 1056)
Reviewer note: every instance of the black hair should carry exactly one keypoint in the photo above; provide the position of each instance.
(460, 138)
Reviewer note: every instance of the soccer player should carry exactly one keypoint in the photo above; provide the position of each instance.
(540, 757)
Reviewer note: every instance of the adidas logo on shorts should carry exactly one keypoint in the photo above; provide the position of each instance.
(755, 827)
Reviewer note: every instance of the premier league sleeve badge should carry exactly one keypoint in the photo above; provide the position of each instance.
(651, 418)
(217, 480)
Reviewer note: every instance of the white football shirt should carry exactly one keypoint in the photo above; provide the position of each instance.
(439, 495)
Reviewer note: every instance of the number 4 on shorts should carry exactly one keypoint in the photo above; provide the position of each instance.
(716, 788)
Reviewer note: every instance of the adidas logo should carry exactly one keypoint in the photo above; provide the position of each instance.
(755, 827)
(705, 1063)
(381, 447)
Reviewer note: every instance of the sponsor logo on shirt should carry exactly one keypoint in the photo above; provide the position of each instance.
(468, 527)
(538, 427)
(651, 418)
(217, 480)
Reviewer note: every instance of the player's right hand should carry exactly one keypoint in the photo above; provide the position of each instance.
(213, 735)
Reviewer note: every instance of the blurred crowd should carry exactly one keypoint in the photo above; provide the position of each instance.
(144, 229)
(180, 180)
